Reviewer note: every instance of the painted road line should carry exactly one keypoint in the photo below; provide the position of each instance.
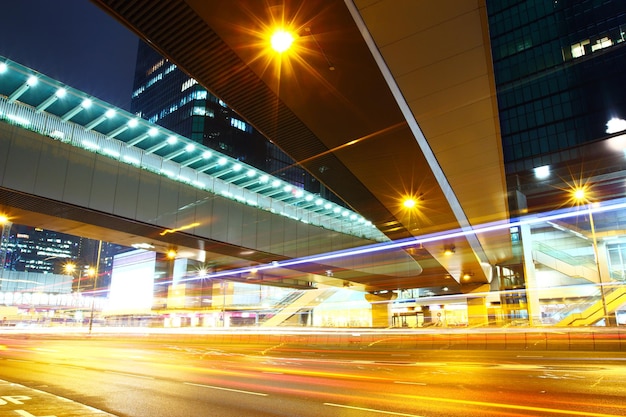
(127, 374)
(409, 383)
(491, 405)
(19, 400)
(226, 389)
(372, 410)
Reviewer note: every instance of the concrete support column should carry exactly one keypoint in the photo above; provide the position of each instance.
(603, 262)
(381, 308)
(477, 312)
(605, 280)
(530, 277)
(223, 292)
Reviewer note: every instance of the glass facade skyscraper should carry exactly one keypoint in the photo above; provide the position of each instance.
(165, 95)
(559, 67)
(559, 71)
(31, 249)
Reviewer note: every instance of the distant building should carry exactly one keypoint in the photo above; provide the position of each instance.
(559, 70)
(165, 95)
(31, 249)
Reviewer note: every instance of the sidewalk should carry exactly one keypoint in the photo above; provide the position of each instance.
(19, 401)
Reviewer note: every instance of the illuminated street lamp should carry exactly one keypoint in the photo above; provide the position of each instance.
(409, 203)
(281, 40)
(69, 269)
(410, 206)
(580, 197)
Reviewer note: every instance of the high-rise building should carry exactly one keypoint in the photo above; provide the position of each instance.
(165, 95)
(32, 249)
(559, 68)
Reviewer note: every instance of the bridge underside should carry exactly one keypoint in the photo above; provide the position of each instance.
(347, 104)
(72, 194)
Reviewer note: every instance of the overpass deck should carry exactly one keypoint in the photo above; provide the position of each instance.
(39, 103)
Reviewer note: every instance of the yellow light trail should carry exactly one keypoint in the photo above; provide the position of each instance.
(511, 406)
(188, 226)
(373, 410)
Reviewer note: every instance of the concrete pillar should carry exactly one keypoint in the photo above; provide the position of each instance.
(381, 308)
(477, 312)
(604, 276)
(222, 298)
(530, 277)
(603, 262)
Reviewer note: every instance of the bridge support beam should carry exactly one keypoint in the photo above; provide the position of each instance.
(381, 308)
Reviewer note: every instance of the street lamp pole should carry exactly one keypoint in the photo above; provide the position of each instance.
(580, 196)
(596, 254)
(95, 282)
(223, 303)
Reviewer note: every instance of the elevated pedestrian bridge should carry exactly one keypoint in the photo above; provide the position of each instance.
(72, 163)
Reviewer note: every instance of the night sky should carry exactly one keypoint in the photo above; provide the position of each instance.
(72, 41)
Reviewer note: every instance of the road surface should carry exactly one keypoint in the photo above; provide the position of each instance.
(140, 377)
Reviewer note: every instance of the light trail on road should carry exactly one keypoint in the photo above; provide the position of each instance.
(132, 376)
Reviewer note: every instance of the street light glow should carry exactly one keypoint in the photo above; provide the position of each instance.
(281, 40)
(69, 268)
(580, 194)
(615, 125)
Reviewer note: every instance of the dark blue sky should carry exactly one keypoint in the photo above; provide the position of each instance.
(72, 41)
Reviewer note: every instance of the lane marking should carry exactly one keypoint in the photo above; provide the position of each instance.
(409, 383)
(372, 410)
(25, 413)
(569, 413)
(79, 368)
(597, 382)
(126, 374)
(226, 389)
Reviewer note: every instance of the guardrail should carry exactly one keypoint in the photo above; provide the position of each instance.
(528, 340)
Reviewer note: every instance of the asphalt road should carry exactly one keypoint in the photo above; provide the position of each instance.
(134, 376)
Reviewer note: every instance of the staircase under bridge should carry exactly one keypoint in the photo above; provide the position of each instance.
(297, 303)
(611, 301)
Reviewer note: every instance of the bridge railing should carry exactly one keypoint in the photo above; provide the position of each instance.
(52, 126)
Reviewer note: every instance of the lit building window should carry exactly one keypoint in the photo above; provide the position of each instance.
(595, 43)
(601, 44)
(241, 125)
(202, 111)
(155, 67)
(578, 49)
(188, 84)
(200, 95)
